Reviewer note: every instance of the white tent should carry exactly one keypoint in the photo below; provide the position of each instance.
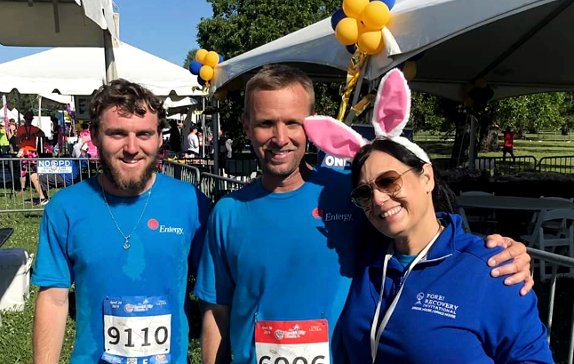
(517, 46)
(81, 71)
(61, 23)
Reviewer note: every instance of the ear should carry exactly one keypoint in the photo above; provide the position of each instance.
(392, 105)
(332, 136)
(428, 174)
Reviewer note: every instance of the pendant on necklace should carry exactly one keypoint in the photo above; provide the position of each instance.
(127, 243)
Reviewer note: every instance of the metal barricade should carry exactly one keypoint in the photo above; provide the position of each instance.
(560, 164)
(215, 186)
(556, 261)
(22, 183)
(506, 166)
(181, 171)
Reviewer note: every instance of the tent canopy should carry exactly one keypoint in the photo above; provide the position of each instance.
(62, 23)
(81, 71)
(517, 46)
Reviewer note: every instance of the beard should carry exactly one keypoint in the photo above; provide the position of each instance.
(114, 175)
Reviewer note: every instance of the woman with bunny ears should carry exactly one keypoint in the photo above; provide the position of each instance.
(425, 295)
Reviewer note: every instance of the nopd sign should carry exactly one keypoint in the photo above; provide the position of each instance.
(58, 166)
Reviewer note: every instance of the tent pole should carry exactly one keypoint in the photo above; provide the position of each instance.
(111, 71)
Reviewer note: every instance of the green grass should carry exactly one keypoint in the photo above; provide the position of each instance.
(537, 145)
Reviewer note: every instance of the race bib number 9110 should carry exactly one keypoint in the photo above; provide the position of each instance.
(136, 328)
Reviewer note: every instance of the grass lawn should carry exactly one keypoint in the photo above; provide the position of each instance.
(16, 329)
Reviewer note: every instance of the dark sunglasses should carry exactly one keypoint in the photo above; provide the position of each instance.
(389, 182)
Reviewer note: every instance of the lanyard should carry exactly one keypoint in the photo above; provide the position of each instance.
(376, 334)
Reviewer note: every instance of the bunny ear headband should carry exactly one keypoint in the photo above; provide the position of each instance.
(390, 115)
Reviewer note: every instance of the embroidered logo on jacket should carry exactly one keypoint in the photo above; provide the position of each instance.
(434, 303)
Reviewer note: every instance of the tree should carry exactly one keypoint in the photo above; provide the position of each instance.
(238, 26)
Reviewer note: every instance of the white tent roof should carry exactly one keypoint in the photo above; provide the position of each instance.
(518, 46)
(62, 23)
(81, 71)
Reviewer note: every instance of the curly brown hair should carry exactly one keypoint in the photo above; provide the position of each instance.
(130, 98)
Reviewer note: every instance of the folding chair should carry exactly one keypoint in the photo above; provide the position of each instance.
(551, 239)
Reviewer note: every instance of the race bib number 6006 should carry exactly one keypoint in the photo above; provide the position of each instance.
(136, 327)
(292, 342)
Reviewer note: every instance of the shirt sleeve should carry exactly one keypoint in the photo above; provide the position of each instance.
(214, 282)
(203, 210)
(52, 267)
(511, 327)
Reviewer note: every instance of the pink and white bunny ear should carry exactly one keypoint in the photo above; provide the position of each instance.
(392, 105)
(332, 136)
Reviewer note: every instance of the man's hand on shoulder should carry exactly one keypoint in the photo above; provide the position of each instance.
(518, 267)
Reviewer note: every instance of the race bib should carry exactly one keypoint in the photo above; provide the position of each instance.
(292, 342)
(137, 330)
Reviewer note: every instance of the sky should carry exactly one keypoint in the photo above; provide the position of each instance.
(164, 28)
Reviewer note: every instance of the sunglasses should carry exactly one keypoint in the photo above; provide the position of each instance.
(389, 182)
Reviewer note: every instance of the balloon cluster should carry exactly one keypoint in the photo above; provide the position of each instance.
(360, 23)
(477, 94)
(204, 64)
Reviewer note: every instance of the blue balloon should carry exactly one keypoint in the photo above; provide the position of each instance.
(390, 3)
(201, 81)
(337, 17)
(194, 67)
(221, 59)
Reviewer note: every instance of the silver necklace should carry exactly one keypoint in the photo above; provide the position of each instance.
(128, 236)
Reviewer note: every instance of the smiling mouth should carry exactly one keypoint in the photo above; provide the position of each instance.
(390, 212)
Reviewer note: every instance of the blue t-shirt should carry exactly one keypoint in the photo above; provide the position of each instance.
(281, 256)
(450, 310)
(79, 243)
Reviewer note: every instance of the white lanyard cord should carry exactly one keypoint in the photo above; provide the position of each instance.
(376, 339)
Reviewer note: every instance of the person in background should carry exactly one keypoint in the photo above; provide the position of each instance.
(192, 143)
(128, 248)
(508, 146)
(14, 145)
(5, 136)
(280, 253)
(27, 136)
(86, 137)
(175, 136)
(421, 275)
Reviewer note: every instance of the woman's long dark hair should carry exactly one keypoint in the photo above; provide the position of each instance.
(442, 195)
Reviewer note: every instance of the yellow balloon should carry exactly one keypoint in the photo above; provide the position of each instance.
(206, 72)
(375, 15)
(200, 55)
(211, 59)
(353, 8)
(410, 70)
(371, 42)
(347, 31)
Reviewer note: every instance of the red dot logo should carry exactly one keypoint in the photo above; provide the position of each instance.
(153, 224)
(317, 213)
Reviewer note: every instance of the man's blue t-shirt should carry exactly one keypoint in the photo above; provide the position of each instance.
(281, 256)
(80, 244)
